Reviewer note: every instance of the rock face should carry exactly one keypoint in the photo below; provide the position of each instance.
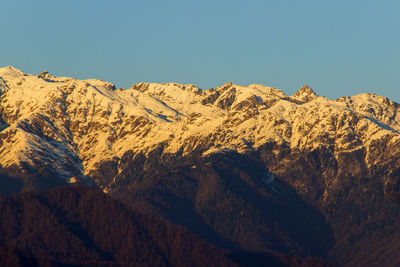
(305, 94)
(212, 159)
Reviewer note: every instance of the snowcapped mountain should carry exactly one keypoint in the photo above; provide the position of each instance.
(72, 125)
(247, 168)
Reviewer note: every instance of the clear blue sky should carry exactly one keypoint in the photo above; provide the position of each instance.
(337, 47)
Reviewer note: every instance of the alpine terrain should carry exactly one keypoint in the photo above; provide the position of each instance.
(246, 175)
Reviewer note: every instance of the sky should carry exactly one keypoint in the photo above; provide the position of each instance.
(336, 47)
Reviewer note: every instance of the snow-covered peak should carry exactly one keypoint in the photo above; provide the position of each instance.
(375, 107)
(11, 72)
(305, 94)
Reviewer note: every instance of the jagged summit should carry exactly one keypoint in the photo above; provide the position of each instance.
(305, 89)
(46, 75)
(305, 94)
(72, 125)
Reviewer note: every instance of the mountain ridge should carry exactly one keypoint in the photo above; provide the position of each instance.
(245, 167)
(91, 120)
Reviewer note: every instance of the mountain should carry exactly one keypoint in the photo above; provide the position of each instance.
(246, 168)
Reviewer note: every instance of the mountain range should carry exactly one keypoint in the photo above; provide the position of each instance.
(247, 170)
